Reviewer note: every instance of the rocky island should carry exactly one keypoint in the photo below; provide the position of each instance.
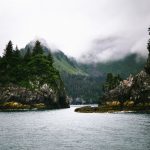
(29, 81)
(132, 94)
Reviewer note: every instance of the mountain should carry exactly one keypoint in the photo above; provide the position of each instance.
(86, 86)
(131, 64)
(65, 64)
(132, 94)
(62, 62)
(83, 81)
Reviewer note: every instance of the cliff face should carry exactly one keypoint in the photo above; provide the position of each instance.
(30, 81)
(135, 88)
(15, 97)
(132, 94)
(140, 89)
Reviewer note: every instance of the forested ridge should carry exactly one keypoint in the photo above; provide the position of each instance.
(33, 66)
(83, 81)
(29, 80)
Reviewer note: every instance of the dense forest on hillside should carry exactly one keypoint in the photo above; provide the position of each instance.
(86, 85)
(83, 82)
(130, 94)
(83, 89)
(131, 64)
(30, 81)
(21, 70)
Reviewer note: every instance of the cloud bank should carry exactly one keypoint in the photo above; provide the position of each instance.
(78, 27)
(113, 49)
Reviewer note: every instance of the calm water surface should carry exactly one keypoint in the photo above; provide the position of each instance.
(66, 130)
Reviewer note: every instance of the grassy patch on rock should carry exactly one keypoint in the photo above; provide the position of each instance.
(116, 106)
(39, 106)
(14, 106)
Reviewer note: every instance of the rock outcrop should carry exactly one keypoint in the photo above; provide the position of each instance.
(15, 97)
(30, 81)
(135, 88)
(132, 94)
(140, 89)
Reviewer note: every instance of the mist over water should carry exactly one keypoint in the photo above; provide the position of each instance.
(67, 130)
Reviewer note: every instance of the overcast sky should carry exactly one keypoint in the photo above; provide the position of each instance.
(98, 28)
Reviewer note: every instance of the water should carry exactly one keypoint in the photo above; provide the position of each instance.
(67, 130)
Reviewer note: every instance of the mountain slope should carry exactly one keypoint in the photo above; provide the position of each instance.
(61, 61)
(84, 81)
(131, 64)
(65, 64)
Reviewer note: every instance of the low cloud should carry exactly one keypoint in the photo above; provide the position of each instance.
(113, 48)
(44, 43)
(78, 27)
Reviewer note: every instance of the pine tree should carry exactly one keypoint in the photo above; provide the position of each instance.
(16, 57)
(27, 55)
(6, 64)
(147, 66)
(16, 52)
(109, 77)
(50, 58)
(37, 48)
(9, 50)
(111, 82)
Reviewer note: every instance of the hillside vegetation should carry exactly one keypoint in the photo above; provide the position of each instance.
(83, 82)
(30, 78)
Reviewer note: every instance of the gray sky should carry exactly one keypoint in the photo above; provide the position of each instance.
(97, 28)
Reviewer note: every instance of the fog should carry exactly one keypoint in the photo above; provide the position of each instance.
(89, 30)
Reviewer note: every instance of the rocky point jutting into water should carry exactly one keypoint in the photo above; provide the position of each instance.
(132, 94)
(30, 81)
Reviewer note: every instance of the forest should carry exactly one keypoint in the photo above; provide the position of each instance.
(34, 66)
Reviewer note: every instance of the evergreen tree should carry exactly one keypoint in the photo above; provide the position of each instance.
(109, 77)
(16, 66)
(111, 82)
(147, 66)
(27, 55)
(9, 50)
(37, 49)
(32, 71)
(16, 52)
(50, 58)
(6, 64)
(16, 57)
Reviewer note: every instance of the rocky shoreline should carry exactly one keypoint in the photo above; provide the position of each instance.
(15, 98)
(139, 108)
(15, 107)
(28, 80)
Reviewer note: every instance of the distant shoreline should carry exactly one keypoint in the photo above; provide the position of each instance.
(106, 109)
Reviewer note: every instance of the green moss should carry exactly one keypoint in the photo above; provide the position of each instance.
(128, 103)
(19, 106)
(40, 106)
(14, 105)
